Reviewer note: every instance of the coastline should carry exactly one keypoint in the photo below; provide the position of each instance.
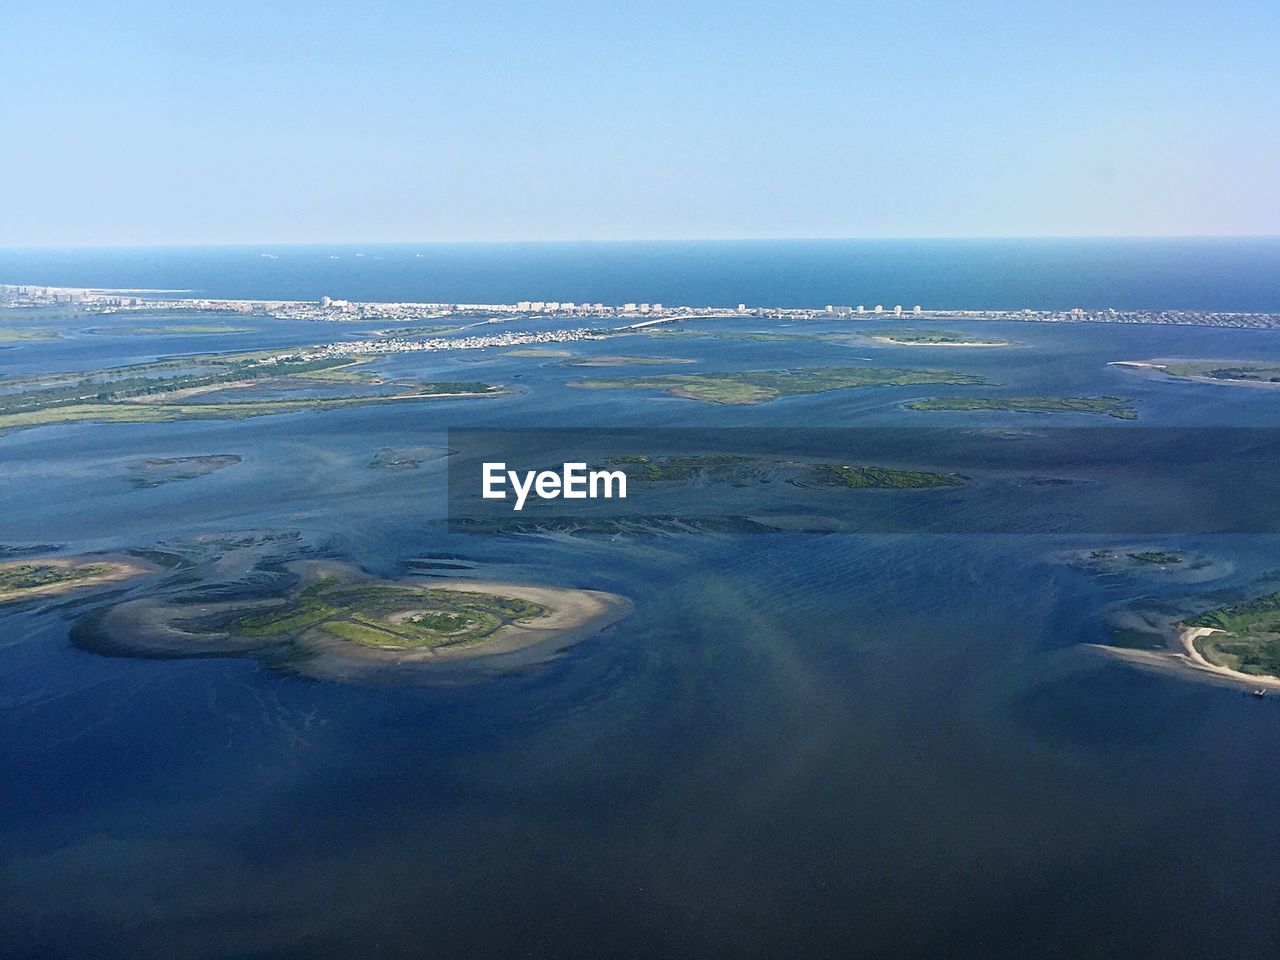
(1181, 658)
(1163, 368)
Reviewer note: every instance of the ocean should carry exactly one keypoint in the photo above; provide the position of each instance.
(1226, 274)
(798, 745)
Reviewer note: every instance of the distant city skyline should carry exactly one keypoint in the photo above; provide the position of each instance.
(326, 122)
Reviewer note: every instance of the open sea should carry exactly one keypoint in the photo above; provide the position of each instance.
(798, 745)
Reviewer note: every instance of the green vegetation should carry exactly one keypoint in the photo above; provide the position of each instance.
(402, 333)
(1158, 557)
(950, 338)
(12, 335)
(1119, 407)
(627, 361)
(27, 576)
(167, 390)
(1250, 638)
(884, 478)
(762, 336)
(763, 385)
(174, 330)
(378, 615)
(1228, 370)
(738, 469)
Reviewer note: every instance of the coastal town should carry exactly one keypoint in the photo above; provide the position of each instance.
(334, 310)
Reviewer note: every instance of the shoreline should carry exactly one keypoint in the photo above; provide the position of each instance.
(121, 568)
(1181, 658)
(889, 340)
(157, 627)
(1163, 368)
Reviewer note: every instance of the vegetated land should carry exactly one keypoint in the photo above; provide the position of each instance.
(1250, 638)
(1119, 407)
(19, 335)
(948, 338)
(1158, 557)
(168, 390)
(545, 352)
(762, 336)
(763, 385)
(436, 331)
(173, 330)
(24, 576)
(736, 468)
(885, 478)
(22, 579)
(1227, 370)
(627, 361)
(156, 471)
(390, 616)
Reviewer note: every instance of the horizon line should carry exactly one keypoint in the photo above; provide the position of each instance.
(196, 244)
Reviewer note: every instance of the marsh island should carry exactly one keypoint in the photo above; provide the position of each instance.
(23, 579)
(761, 386)
(335, 618)
(1119, 407)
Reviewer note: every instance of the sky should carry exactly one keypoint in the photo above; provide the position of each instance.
(147, 122)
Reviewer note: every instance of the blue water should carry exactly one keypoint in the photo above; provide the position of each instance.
(1232, 274)
(797, 746)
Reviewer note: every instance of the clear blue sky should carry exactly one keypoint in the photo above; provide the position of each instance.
(191, 121)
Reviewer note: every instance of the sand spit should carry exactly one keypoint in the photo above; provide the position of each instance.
(1182, 658)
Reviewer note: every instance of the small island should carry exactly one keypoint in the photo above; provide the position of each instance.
(50, 576)
(935, 338)
(1242, 639)
(1255, 373)
(234, 386)
(171, 330)
(1236, 643)
(25, 334)
(538, 353)
(157, 471)
(743, 470)
(406, 458)
(761, 386)
(336, 622)
(628, 361)
(1119, 407)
